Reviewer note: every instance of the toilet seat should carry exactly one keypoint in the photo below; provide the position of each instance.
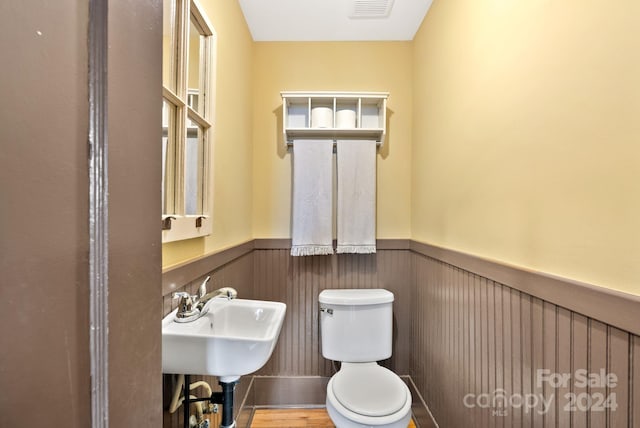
(344, 417)
(369, 389)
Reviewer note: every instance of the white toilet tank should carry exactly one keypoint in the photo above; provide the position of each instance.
(356, 325)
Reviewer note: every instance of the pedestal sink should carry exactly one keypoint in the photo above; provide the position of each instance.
(234, 338)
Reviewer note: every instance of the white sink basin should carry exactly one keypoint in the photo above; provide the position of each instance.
(236, 337)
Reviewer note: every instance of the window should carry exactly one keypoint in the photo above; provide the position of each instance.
(187, 114)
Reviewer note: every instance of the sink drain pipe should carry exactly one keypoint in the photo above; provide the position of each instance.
(227, 403)
(225, 398)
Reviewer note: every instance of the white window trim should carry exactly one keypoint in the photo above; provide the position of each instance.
(184, 226)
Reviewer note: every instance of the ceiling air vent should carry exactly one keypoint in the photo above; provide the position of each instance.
(369, 9)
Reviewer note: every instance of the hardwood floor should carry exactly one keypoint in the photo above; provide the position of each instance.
(289, 418)
(294, 418)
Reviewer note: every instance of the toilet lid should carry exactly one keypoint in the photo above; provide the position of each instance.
(369, 389)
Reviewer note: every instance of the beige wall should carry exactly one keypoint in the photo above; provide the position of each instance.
(512, 133)
(526, 134)
(330, 66)
(232, 157)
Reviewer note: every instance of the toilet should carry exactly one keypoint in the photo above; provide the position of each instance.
(356, 328)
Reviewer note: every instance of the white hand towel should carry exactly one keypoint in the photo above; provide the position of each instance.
(311, 231)
(356, 196)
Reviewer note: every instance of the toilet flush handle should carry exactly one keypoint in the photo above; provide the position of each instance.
(327, 310)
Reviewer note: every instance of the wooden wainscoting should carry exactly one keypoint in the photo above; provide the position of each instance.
(297, 281)
(463, 327)
(476, 336)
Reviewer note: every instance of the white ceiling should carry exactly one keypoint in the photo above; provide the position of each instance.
(329, 20)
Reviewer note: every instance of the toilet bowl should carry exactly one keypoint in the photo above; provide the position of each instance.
(368, 395)
(356, 328)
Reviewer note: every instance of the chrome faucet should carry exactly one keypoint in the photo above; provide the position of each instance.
(190, 308)
(228, 292)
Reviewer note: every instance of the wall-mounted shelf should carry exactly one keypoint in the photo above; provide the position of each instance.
(334, 115)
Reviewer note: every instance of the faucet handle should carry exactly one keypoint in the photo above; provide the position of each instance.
(202, 290)
(185, 304)
(181, 294)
